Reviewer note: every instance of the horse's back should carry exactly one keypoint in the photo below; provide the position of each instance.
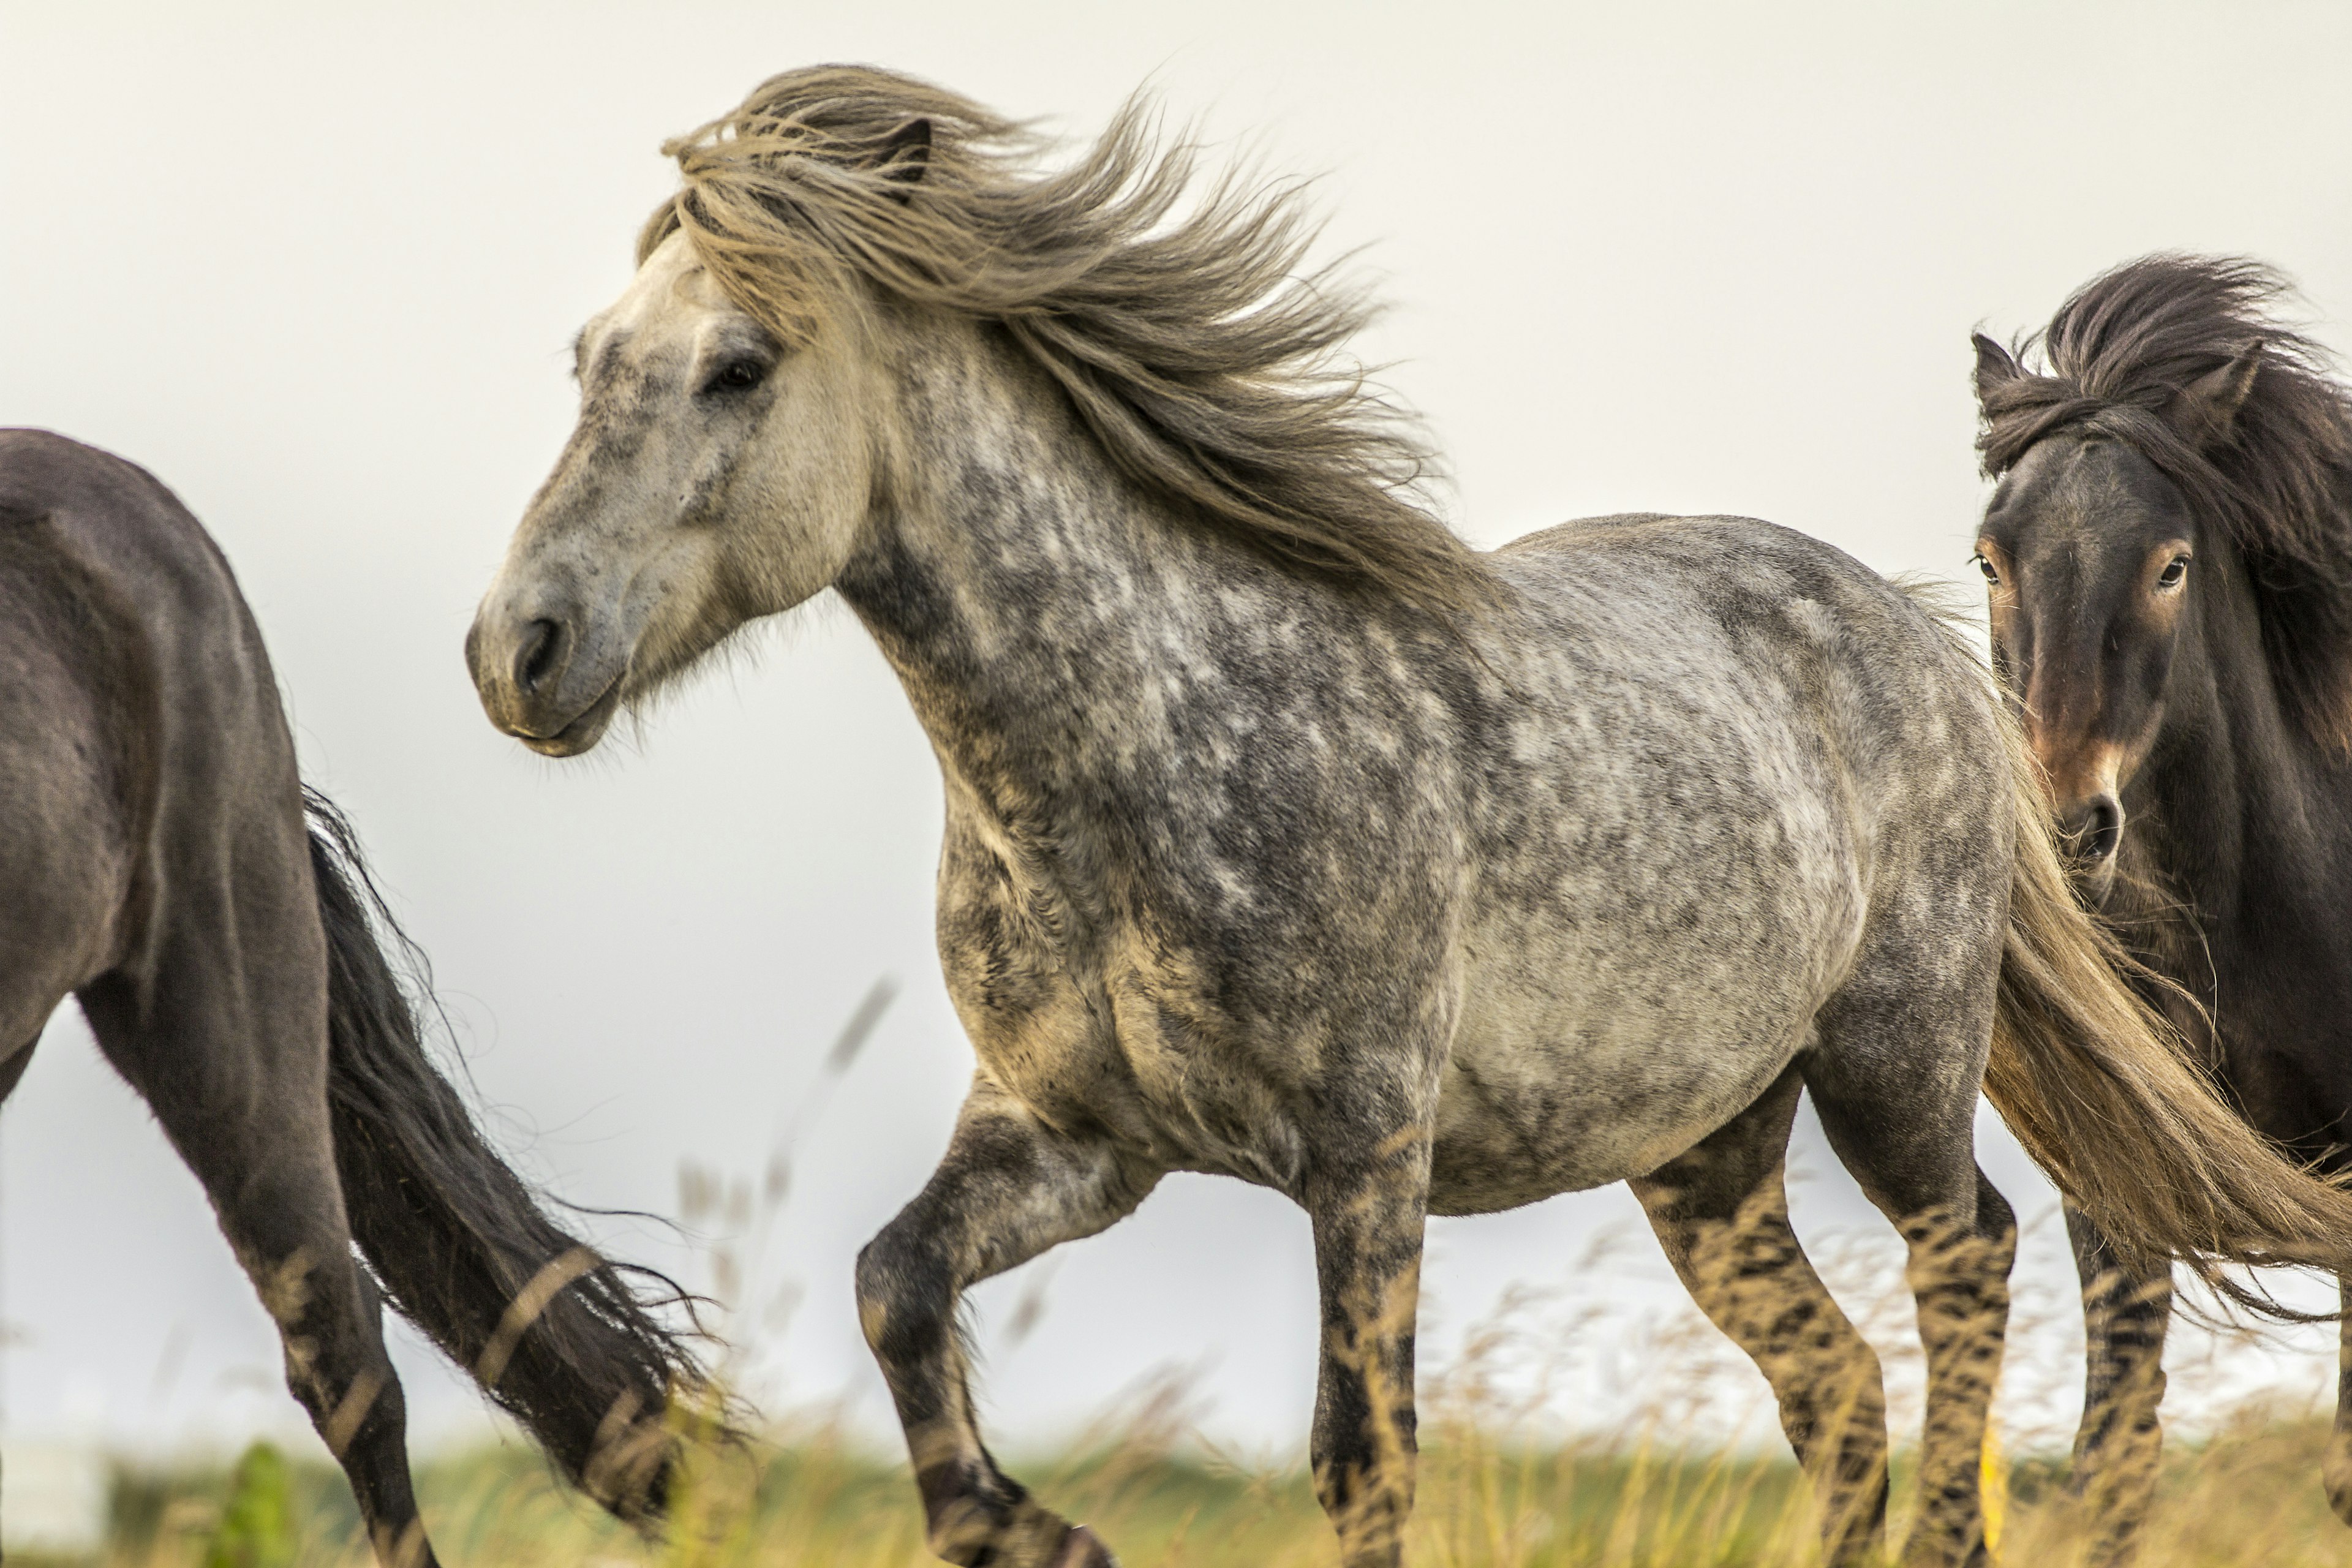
(1816, 640)
(130, 681)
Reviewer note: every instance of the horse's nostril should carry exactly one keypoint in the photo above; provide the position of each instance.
(542, 653)
(2101, 831)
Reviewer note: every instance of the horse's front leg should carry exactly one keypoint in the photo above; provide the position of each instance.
(1009, 1188)
(1369, 1215)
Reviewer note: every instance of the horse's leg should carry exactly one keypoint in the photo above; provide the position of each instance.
(1369, 1217)
(2337, 1468)
(1898, 1104)
(1009, 1188)
(2126, 1308)
(232, 1058)
(1959, 1273)
(1722, 1214)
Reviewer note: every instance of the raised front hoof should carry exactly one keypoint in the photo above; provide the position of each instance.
(1032, 1538)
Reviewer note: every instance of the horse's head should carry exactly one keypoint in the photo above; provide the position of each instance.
(2091, 556)
(716, 474)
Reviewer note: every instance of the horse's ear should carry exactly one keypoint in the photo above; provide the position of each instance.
(906, 155)
(1995, 366)
(2208, 407)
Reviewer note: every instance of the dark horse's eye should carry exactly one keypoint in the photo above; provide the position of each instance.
(1985, 566)
(737, 376)
(2174, 570)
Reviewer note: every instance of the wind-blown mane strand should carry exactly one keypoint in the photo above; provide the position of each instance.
(2120, 352)
(1171, 311)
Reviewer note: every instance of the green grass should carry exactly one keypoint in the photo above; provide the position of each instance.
(2248, 1496)
(1499, 1487)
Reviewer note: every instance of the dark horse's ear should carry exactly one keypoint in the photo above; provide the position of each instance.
(2206, 408)
(906, 155)
(1995, 366)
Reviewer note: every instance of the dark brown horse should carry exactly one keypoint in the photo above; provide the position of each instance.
(161, 861)
(2170, 562)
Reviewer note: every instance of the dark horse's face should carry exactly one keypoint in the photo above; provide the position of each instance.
(2090, 552)
(2089, 558)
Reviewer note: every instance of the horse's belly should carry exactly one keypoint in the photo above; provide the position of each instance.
(1627, 1065)
(1598, 1120)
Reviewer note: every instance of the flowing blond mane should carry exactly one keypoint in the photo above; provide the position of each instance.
(1171, 311)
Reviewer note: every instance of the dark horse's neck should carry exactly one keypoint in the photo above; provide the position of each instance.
(2220, 810)
(2245, 819)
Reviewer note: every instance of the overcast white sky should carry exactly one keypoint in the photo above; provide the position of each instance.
(318, 270)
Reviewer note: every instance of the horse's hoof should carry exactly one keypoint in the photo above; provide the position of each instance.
(1082, 1547)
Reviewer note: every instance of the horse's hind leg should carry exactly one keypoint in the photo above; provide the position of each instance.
(1959, 1273)
(1893, 1075)
(2126, 1308)
(232, 1057)
(1009, 1189)
(1722, 1214)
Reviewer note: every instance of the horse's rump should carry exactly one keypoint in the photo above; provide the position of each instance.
(75, 752)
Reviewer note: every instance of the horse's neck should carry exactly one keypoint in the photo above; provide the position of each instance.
(1031, 598)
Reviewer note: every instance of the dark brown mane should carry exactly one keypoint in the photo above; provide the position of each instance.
(2118, 356)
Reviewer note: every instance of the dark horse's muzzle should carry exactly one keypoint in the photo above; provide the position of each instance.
(2090, 835)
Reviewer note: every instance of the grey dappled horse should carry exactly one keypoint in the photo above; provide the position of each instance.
(2169, 562)
(161, 861)
(1289, 839)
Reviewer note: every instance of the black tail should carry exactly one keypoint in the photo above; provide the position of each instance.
(553, 1333)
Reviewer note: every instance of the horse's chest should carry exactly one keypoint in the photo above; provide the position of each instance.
(1099, 1022)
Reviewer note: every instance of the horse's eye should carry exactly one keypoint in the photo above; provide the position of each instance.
(737, 376)
(1985, 566)
(2174, 572)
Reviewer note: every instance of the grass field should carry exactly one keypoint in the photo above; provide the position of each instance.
(1662, 1486)
(2249, 1495)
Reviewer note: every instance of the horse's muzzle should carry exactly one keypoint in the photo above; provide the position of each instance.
(534, 687)
(2091, 834)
